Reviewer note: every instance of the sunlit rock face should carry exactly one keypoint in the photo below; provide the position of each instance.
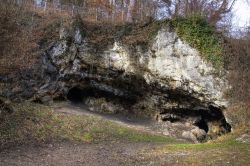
(182, 65)
(166, 80)
(169, 62)
(173, 64)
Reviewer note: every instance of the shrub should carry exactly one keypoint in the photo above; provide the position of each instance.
(200, 34)
(237, 58)
(239, 116)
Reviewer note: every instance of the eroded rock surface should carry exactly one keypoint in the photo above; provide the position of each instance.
(166, 80)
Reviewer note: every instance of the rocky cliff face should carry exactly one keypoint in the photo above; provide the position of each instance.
(166, 80)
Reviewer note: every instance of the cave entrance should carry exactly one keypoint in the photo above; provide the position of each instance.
(79, 94)
(75, 95)
(202, 124)
(202, 118)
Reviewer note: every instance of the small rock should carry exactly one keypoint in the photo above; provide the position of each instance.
(46, 99)
(166, 132)
(78, 37)
(101, 105)
(188, 124)
(63, 33)
(49, 68)
(5, 105)
(108, 108)
(199, 133)
(190, 136)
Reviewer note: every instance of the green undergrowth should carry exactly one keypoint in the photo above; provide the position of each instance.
(37, 123)
(198, 33)
(230, 143)
(195, 30)
(226, 151)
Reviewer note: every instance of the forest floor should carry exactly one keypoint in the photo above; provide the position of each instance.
(91, 139)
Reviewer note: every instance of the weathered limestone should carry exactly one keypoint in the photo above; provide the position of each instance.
(167, 80)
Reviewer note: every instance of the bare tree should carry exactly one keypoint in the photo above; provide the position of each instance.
(213, 10)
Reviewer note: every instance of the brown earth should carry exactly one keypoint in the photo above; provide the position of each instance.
(123, 152)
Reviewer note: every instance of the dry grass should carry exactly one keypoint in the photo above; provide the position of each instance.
(26, 31)
(237, 57)
(34, 123)
(239, 116)
(225, 150)
(23, 29)
(14, 38)
(237, 154)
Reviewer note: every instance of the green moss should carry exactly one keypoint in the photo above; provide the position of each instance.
(145, 137)
(156, 26)
(201, 35)
(197, 32)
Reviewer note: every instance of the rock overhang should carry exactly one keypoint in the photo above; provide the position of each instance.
(166, 75)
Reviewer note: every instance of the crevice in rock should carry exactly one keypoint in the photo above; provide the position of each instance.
(202, 125)
(211, 120)
(79, 94)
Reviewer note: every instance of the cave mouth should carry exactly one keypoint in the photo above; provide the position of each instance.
(75, 95)
(202, 118)
(202, 124)
(79, 94)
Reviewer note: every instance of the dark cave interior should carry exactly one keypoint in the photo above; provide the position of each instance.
(212, 114)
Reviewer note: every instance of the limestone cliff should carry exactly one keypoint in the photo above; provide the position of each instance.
(168, 62)
(166, 80)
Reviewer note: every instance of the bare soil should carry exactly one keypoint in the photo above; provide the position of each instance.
(69, 153)
(74, 154)
(121, 152)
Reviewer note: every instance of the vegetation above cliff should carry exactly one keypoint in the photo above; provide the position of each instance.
(37, 30)
(196, 31)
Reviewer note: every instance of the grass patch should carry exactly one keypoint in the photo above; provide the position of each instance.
(211, 145)
(133, 135)
(239, 116)
(38, 123)
(226, 151)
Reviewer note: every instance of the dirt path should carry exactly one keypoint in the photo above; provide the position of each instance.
(125, 120)
(72, 154)
(119, 152)
(69, 153)
(130, 121)
(141, 124)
